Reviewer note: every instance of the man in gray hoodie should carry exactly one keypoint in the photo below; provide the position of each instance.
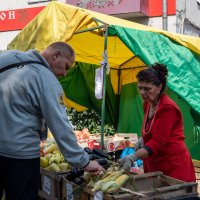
(31, 92)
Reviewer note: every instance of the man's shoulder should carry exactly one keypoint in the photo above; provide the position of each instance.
(10, 57)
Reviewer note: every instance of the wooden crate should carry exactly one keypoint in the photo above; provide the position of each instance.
(148, 186)
(71, 191)
(196, 164)
(50, 184)
(156, 185)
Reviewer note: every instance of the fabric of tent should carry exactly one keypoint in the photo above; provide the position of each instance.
(131, 47)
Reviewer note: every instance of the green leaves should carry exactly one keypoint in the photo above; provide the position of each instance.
(88, 119)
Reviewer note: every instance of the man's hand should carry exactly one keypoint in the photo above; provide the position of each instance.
(139, 144)
(128, 161)
(94, 168)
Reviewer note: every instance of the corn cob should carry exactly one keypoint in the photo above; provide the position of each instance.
(112, 176)
(107, 185)
(98, 185)
(119, 182)
(91, 183)
(104, 175)
(86, 177)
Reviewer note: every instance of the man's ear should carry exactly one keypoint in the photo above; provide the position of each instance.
(56, 55)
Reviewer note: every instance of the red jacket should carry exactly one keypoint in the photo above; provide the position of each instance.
(166, 141)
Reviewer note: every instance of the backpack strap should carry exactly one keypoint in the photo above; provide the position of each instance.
(18, 64)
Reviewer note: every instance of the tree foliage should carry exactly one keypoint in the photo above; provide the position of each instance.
(89, 119)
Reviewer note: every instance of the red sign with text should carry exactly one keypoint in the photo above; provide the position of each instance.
(17, 19)
(154, 8)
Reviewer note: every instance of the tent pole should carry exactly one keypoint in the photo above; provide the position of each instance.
(89, 29)
(104, 85)
(128, 68)
(98, 20)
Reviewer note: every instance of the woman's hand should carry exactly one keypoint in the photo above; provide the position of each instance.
(128, 161)
(139, 144)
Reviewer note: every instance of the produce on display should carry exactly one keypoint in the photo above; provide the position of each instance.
(51, 158)
(82, 135)
(108, 182)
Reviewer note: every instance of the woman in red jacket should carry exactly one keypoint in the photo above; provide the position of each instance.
(161, 146)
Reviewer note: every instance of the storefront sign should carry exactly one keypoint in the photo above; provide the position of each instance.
(108, 6)
(150, 8)
(17, 19)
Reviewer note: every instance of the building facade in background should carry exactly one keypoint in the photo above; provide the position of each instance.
(188, 17)
(182, 15)
(15, 15)
(147, 12)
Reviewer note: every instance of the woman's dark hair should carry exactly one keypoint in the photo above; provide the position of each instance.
(156, 74)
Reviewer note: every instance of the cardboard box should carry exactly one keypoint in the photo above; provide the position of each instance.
(119, 141)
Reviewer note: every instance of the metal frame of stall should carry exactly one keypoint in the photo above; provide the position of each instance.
(105, 64)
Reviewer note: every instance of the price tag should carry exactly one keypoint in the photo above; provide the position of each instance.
(47, 185)
(98, 195)
(69, 188)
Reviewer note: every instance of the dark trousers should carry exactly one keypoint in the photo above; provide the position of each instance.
(19, 178)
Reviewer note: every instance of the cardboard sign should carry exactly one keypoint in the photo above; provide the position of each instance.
(47, 185)
(98, 195)
(69, 191)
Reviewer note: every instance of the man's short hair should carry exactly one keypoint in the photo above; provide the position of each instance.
(62, 46)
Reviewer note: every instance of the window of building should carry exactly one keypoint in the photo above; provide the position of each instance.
(36, 1)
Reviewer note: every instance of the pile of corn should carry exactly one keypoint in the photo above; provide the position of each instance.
(109, 182)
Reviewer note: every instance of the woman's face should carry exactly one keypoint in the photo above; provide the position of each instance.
(149, 91)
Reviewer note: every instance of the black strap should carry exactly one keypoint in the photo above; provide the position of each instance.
(18, 64)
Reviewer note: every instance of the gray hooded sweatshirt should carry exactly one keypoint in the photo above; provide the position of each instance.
(28, 94)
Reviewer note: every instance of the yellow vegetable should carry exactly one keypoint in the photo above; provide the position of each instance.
(50, 149)
(54, 167)
(87, 177)
(58, 158)
(48, 156)
(112, 176)
(48, 168)
(98, 185)
(122, 179)
(107, 185)
(63, 166)
(91, 183)
(104, 175)
(56, 151)
(52, 159)
(119, 182)
(43, 162)
(55, 158)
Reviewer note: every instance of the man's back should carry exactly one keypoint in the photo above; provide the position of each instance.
(20, 113)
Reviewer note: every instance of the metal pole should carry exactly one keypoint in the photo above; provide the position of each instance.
(89, 29)
(104, 85)
(165, 24)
